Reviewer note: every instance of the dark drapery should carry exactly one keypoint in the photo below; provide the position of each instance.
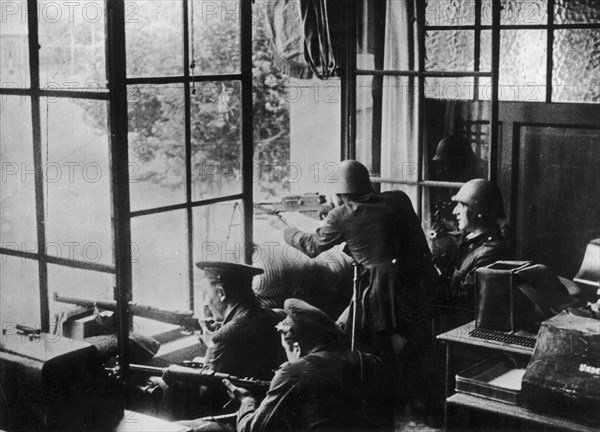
(305, 36)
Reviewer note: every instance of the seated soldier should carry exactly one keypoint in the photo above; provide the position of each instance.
(322, 386)
(247, 343)
(478, 206)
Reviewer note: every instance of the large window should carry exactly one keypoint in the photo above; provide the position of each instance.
(55, 189)
(442, 92)
(126, 149)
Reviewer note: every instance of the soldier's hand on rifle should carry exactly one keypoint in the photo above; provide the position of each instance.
(236, 393)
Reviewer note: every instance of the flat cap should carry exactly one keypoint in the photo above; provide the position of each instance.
(309, 320)
(225, 270)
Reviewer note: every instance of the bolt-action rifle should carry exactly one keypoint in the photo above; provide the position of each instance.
(185, 319)
(194, 373)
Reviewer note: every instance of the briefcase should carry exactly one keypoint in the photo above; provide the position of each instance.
(518, 295)
(563, 375)
(50, 382)
(496, 289)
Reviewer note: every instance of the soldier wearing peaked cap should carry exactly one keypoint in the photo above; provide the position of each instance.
(247, 343)
(322, 385)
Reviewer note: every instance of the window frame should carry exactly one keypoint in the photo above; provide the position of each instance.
(349, 113)
(116, 97)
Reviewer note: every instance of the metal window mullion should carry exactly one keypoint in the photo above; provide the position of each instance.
(83, 265)
(348, 85)
(414, 73)
(549, 50)
(421, 100)
(188, 153)
(70, 94)
(183, 206)
(178, 79)
(119, 161)
(34, 73)
(477, 48)
(247, 126)
(493, 160)
(517, 26)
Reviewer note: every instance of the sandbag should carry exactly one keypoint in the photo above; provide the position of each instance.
(324, 281)
(563, 376)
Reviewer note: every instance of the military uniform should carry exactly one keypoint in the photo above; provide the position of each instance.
(247, 344)
(379, 228)
(473, 253)
(328, 388)
(398, 282)
(322, 390)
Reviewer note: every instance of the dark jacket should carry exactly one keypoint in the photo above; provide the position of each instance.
(328, 389)
(472, 254)
(384, 235)
(247, 345)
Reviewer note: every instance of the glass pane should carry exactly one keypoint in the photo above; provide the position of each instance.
(371, 34)
(216, 139)
(160, 260)
(271, 120)
(17, 188)
(458, 88)
(72, 53)
(516, 12)
(215, 30)
(380, 103)
(156, 145)
(154, 46)
(522, 64)
(399, 138)
(576, 66)
(365, 132)
(456, 140)
(437, 209)
(14, 49)
(218, 232)
(71, 282)
(450, 12)
(383, 32)
(76, 174)
(20, 302)
(576, 11)
(558, 162)
(449, 50)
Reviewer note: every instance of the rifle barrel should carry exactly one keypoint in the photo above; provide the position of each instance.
(185, 319)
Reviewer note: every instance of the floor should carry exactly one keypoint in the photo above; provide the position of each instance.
(405, 421)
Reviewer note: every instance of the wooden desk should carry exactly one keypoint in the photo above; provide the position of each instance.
(463, 351)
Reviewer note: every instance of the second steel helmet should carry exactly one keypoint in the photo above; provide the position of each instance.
(483, 197)
(454, 149)
(353, 178)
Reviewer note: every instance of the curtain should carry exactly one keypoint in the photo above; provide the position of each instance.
(399, 138)
(304, 36)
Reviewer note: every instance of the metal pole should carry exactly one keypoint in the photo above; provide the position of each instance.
(355, 296)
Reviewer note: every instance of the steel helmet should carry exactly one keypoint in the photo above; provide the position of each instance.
(353, 178)
(483, 197)
(453, 149)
